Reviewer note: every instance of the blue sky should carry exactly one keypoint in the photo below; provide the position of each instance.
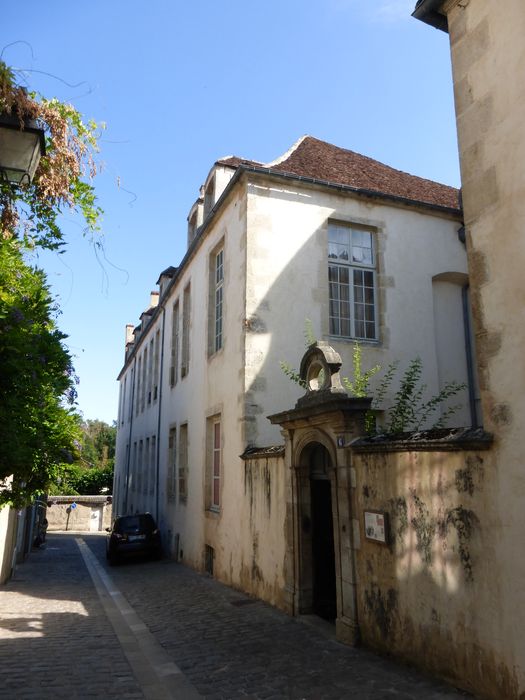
(182, 84)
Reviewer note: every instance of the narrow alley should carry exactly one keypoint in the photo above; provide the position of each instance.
(72, 627)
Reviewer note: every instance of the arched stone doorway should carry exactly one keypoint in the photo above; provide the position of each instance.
(321, 534)
(321, 528)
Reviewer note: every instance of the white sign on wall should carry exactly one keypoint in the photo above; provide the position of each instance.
(376, 526)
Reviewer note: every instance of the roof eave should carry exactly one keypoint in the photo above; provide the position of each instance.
(359, 191)
(428, 11)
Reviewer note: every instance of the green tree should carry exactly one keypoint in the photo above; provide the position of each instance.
(98, 444)
(39, 430)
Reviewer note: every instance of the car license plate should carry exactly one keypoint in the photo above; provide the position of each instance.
(135, 538)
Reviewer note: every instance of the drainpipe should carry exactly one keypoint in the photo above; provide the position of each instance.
(471, 377)
(128, 456)
(468, 352)
(157, 456)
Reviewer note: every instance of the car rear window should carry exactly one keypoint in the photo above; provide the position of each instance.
(131, 523)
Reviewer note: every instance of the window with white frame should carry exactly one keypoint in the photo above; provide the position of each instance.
(352, 282)
(213, 463)
(218, 283)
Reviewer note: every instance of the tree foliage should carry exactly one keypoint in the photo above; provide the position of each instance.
(31, 211)
(92, 474)
(40, 433)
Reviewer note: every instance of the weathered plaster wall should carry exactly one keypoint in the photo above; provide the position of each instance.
(488, 61)
(262, 514)
(90, 514)
(429, 594)
(287, 282)
(8, 520)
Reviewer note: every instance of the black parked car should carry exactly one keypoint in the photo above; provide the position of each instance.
(133, 534)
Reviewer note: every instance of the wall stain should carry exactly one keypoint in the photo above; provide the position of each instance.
(381, 609)
(424, 526)
(470, 478)
(501, 414)
(464, 521)
(399, 518)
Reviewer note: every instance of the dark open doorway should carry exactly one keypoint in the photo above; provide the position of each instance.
(324, 601)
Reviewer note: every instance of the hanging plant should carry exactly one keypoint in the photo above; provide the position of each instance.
(62, 180)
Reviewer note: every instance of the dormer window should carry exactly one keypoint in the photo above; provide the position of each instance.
(209, 197)
(192, 227)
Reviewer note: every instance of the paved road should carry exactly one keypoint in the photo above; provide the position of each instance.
(70, 627)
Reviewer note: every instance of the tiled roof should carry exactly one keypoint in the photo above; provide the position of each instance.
(318, 160)
(234, 162)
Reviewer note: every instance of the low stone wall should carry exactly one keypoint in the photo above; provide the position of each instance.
(83, 513)
(427, 594)
(263, 513)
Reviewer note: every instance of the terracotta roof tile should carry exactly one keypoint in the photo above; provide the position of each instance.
(234, 162)
(315, 159)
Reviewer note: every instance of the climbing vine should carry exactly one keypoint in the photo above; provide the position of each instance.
(62, 181)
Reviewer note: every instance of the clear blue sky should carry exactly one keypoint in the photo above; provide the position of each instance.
(180, 84)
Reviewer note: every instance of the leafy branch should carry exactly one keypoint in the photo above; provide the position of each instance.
(63, 177)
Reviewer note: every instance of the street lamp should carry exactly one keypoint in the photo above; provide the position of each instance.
(22, 144)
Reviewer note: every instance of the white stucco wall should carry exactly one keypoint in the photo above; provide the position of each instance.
(275, 277)
(287, 282)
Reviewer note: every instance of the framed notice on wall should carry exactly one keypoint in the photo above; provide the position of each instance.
(376, 526)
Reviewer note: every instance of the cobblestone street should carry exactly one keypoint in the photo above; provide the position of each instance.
(71, 627)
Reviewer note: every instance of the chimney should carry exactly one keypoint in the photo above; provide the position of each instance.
(153, 299)
(129, 333)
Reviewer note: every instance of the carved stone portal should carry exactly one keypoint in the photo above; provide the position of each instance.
(320, 498)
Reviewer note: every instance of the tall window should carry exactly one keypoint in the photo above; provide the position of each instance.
(351, 277)
(218, 297)
(144, 378)
(156, 366)
(174, 344)
(183, 462)
(138, 388)
(145, 468)
(140, 467)
(186, 311)
(172, 464)
(150, 368)
(216, 454)
(153, 465)
(213, 463)
(133, 471)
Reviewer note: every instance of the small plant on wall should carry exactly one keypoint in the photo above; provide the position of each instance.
(409, 410)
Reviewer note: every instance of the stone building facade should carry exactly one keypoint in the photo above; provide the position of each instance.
(488, 62)
(362, 250)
